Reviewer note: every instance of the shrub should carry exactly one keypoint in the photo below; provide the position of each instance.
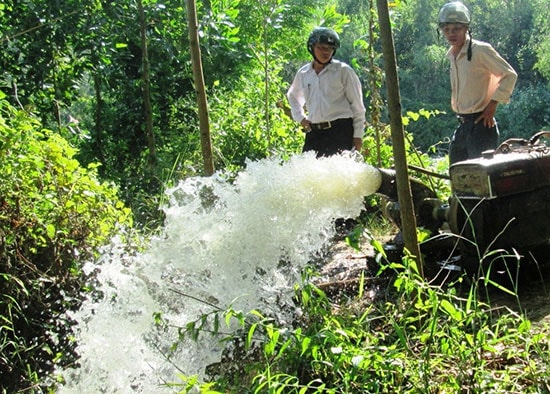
(527, 113)
(54, 215)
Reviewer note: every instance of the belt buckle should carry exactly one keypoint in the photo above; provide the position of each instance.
(325, 125)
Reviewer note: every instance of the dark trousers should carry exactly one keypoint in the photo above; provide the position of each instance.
(332, 140)
(471, 139)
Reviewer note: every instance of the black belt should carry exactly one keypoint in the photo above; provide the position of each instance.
(464, 118)
(327, 125)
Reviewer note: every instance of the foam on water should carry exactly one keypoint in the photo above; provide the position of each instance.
(223, 242)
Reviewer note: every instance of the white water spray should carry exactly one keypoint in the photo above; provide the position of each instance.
(223, 243)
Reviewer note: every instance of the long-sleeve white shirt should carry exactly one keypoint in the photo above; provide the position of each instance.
(334, 93)
(486, 77)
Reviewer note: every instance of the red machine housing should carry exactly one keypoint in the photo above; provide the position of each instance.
(499, 201)
(502, 200)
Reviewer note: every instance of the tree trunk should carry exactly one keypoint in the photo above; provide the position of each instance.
(198, 77)
(404, 195)
(146, 80)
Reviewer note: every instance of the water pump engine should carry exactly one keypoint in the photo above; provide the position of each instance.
(499, 201)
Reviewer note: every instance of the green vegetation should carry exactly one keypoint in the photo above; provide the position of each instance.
(74, 153)
(413, 338)
(54, 215)
(78, 66)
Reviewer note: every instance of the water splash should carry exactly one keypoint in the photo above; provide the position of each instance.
(223, 242)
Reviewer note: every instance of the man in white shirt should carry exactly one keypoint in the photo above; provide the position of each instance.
(326, 98)
(480, 80)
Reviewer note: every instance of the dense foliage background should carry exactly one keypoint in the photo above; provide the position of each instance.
(54, 215)
(75, 85)
(79, 66)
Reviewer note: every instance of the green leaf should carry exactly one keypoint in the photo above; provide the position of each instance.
(250, 335)
(451, 310)
(50, 231)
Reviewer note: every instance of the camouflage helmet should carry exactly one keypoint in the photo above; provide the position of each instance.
(454, 12)
(323, 35)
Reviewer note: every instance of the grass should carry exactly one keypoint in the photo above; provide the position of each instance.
(414, 338)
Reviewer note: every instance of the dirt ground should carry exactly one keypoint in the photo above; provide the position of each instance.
(346, 266)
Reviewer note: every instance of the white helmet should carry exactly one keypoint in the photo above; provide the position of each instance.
(454, 12)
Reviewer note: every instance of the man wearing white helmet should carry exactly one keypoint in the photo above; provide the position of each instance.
(326, 98)
(480, 80)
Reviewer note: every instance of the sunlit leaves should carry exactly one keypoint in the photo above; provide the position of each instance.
(54, 214)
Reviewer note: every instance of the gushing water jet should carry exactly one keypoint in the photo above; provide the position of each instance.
(222, 241)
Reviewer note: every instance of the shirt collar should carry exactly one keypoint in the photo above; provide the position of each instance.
(463, 50)
(329, 66)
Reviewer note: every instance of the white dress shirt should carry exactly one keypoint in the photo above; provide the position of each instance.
(334, 93)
